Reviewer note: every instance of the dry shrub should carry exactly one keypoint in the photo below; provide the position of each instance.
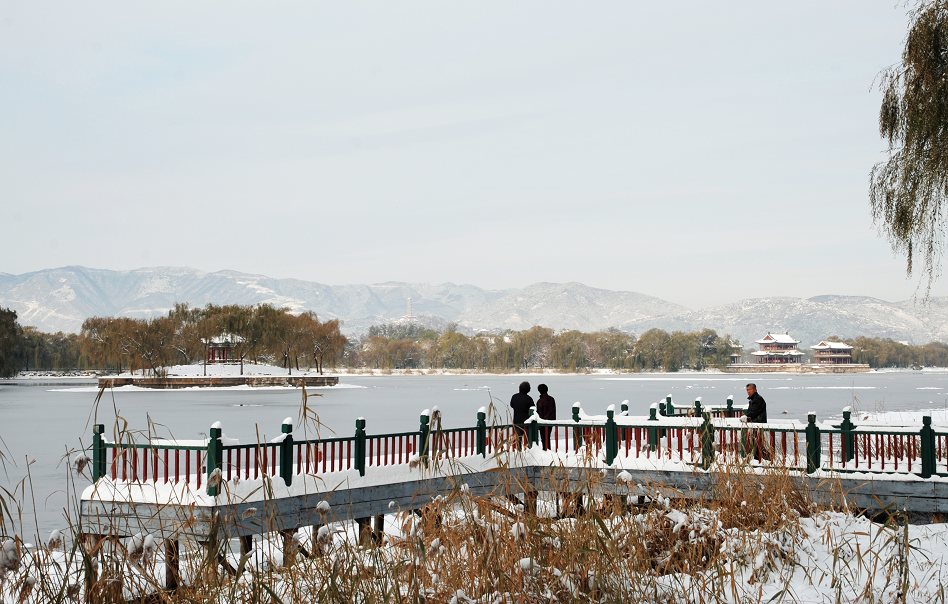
(751, 500)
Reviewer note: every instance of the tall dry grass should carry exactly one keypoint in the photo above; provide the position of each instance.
(465, 548)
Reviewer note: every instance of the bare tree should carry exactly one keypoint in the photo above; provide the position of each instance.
(908, 190)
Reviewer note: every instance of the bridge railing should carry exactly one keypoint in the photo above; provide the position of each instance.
(669, 408)
(159, 461)
(699, 438)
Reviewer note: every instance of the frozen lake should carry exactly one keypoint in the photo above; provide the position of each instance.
(40, 422)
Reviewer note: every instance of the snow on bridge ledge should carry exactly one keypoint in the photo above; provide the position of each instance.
(273, 487)
(877, 467)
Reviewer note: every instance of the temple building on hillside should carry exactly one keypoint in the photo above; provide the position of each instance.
(220, 349)
(778, 349)
(832, 353)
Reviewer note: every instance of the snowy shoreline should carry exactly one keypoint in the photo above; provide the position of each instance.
(271, 370)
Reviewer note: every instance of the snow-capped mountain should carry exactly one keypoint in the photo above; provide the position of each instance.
(60, 299)
(566, 306)
(809, 319)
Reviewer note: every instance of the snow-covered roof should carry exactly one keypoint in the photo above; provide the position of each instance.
(225, 338)
(778, 338)
(777, 353)
(828, 345)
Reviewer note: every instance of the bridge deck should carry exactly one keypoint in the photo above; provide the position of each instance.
(208, 491)
(251, 507)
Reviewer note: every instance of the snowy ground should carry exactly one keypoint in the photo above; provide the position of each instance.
(46, 375)
(903, 418)
(226, 370)
(828, 557)
(251, 369)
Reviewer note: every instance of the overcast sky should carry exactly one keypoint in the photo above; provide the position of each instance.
(696, 151)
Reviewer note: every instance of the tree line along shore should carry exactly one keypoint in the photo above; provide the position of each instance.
(268, 335)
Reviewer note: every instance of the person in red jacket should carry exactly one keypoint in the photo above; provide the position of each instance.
(546, 409)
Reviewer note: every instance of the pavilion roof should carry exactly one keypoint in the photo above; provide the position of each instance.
(225, 338)
(828, 345)
(777, 338)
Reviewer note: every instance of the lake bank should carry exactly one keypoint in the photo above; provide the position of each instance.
(45, 376)
(213, 381)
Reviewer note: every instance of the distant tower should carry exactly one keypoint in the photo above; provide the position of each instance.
(408, 315)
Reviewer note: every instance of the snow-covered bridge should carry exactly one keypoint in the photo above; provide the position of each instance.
(211, 491)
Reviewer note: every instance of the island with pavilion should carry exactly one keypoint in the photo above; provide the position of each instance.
(223, 366)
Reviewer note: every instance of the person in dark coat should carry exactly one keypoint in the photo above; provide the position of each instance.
(756, 406)
(546, 409)
(521, 403)
(756, 414)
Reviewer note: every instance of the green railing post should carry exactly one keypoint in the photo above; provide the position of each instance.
(666, 408)
(612, 437)
(98, 452)
(286, 451)
(813, 445)
(482, 432)
(927, 437)
(624, 408)
(698, 407)
(534, 429)
(653, 432)
(730, 407)
(577, 430)
(424, 431)
(359, 453)
(214, 459)
(707, 441)
(847, 437)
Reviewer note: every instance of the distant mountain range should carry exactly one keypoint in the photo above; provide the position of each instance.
(60, 299)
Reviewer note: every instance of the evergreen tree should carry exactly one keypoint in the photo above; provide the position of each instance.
(10, 336)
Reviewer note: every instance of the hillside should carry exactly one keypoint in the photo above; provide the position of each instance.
(60, 299)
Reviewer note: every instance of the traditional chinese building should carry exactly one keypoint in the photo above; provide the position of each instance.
(777, 349)
(737, 353)
(220, 349)
(832, 353)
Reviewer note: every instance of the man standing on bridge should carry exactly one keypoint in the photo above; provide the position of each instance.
(756, 406)
(756, 414)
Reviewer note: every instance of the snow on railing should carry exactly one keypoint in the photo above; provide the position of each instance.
(699, 438)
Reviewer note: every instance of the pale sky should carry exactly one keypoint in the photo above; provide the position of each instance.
(695, 151)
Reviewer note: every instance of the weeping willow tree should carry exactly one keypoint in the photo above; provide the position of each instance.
(908, 190)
